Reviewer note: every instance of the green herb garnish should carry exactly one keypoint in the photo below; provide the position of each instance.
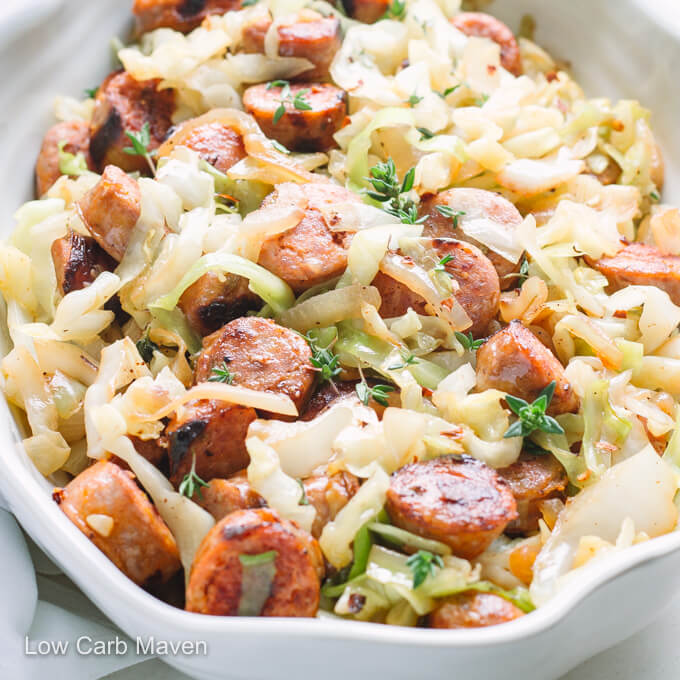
(423, 564)
(396, 10)
(140, 145)
(303, 495)
(468, 342)
(425, 133)
(452, 214)
(323, 360)
(389, 191)
(297, 101)
(441, 265)
(533, 416)
(192, 483)
(408, 360)
(146, 348)
(222, 374)
(378, 393)
(413, 100)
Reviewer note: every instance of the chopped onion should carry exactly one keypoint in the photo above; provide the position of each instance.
(529, 177)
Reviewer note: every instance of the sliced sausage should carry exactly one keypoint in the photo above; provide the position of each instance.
(329, 494)
(215, 299)
(473, 610)
(532, 478)
(179, 15)
(309, 126)
(211, 138)
(457, 500)
(122, 105)
(515, 361)
(368, 11)
(473, 204)
(483, 25)
(216, 583)
(154, 450)
(214, 432)
(308, 35)
(138, 542)
(479, 289)
(260, 355)
(76, 134)
(78, 261)
(111, 209)
(638, 264)
(309, 253)
(328, 395)
(224, 496)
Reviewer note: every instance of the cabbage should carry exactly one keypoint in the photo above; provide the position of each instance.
(268, 286)
(641, 487)
(337, 536)
(281, 491)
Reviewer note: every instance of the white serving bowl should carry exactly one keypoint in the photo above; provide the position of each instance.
(619, 48)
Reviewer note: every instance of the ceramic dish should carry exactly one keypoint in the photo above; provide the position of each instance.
(618, 49)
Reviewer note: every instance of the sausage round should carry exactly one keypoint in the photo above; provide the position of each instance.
(328, 494)
(214, 300)
(479, 289)
(214, 432)
(180, 15)
(139, 543)
(224, 496)
(309, 35)
(326, 396)
(78, 260)
(638, 264)
(111, 209)
(309, 253)
(211, 138)
(532, 478)
(459, 501)
(475, 204)
(299, 129)
(485, 26)
(76, 134)
(260, 355)
(515, 361)
(368, 11)
(122, 105)
(473, 610)
(215, 585)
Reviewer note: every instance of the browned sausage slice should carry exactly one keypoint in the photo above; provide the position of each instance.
(76, 134)
(224, 496)
(485, 26)
(216, 583)
(78, 261)
(212, 431)
(329, 494)
(125, 104)
(309, 125)
(479, 289)
(309, 253)
(111, 209)
(308, 35)
(180, 15)
(211, 138)
(473, 204)
(260, 355)
(459, 501)
(138, 542)
(368, 11)
(473, 610)
(515, 361)
(328, 395)
(638, 264)
(214, 300)
(532, 478)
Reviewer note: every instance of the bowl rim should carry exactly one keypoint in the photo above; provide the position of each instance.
(29, 499)
(80, 558)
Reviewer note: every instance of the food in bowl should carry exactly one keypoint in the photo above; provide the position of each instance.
(318, 317)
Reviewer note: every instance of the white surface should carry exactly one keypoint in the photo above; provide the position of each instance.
(615, 50)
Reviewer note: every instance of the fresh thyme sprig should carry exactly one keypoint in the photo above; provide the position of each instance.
(192, 483)
(423, 564)
(140, 145)
(297, 101)
(378, 393)
(222, 374)
(468, 342)
(324, 361)
(388, 190)
(533, 416)
(396, 10)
